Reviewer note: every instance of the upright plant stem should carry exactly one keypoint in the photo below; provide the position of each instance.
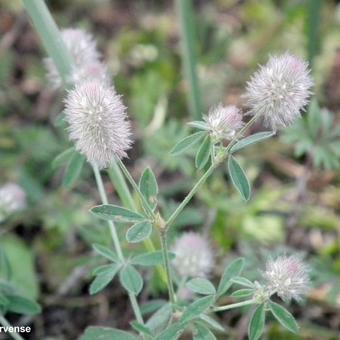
(124, 194)
(136, 188)
(4, 322)
(235, 305)
(189, 196)
(50, 36)
(120, 185)
(189, 59)
(116, 242)
(165, 251)
(205, 176)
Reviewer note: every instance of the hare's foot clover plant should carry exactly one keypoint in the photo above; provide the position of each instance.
(12, 298)
(99, 127)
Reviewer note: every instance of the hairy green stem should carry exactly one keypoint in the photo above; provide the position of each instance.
(189, 58)
(115, 239)
(189, 196)
(205, 176)
(240, 132)
(135, 186)
(165, 251)
(120, 185)
(124, 194)
(4, 322)
(50, 36)
(234, 305)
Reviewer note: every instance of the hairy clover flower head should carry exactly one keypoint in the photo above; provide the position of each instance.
(194, 256)
(98, 122)
(224, 121)
(12, 199)
(280, 90)
(83, 49)
(288, 277)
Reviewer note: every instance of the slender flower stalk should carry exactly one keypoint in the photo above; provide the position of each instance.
(205, 176)
(188, 197)
(218, 159)
(115, 239)
(165, 251)
(4, 322)
(128, 176)
(124, 194)
(234, 305)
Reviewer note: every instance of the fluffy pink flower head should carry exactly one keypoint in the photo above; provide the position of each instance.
(224, 121)
(194, 256)
(288, 277)
(98, 122)
(12, 199)
(83, 49)
(280, 90)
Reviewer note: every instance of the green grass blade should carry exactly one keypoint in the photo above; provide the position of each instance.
(189, 59)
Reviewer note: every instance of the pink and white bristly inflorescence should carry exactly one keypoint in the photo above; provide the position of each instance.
(224, 121)
(194, 256)
(12, 199)
(98, 123)
(83, 49)
(279, 90)
(288, 277)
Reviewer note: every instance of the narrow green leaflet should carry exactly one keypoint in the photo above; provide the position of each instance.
(203, 333)
(243, 293)
(152, 306)
(141, 328)
(314, 120)
(106, 333)
(199, 124)
(103, 269)
(284, 317)
(112, 212)
(201, 286)
(256, 325)
(3, 300)
(106, 252)
(203, 153)
(148, 259)
(173, 332)
(233, 269)
(239, 178)
(62, 158)
(242, 281)
(21, 305)
(73, 170)
(212, 323)
(5, 266)
(160, 318)
(103, 278)
(131, 280)
(197, 307)
(255, 138)
(149, 187)
(139, 232)
(187, 143)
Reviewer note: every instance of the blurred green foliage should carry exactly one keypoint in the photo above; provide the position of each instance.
(143, 54)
